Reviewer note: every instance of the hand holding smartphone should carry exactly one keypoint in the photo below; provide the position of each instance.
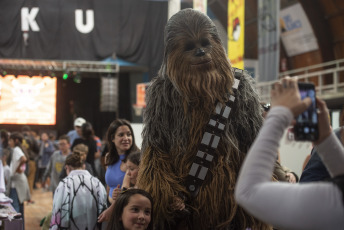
(306, 127)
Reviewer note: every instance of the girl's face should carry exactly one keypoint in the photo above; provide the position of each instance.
(133, 170)
(123, 139)
(137, 214)
(11, 143)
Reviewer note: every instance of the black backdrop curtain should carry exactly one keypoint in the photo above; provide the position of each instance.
(132, 29)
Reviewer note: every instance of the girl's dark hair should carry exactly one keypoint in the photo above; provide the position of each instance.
(135, 157)
(122, 201)
(4, 136)
(87, 131)
(74, 160)
(17, 138)
(113, 156)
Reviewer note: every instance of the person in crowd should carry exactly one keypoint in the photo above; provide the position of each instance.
(56, 163)
(133, 210)
(121, 142)
(76, 132)
(315, 205)
(7, 170)
(129, 181)
(88, 139)
(79, 198)
(133, 163)
(45, 152)
(281, 173)
(97, 161)
(82, 150)
(4, 144)
(315, 169)
(19, 188)
(52, 138)
(32, 149)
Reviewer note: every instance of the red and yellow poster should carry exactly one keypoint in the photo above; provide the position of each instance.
(27, 100)
(236, 32)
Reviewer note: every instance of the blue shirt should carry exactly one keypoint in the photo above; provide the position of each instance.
(72, 136)
(114, 175)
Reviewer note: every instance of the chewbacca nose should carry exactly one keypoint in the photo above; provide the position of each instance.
(200, 52)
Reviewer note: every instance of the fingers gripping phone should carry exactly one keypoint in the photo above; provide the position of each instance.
(306, 127)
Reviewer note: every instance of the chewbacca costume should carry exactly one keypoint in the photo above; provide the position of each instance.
(194, 77)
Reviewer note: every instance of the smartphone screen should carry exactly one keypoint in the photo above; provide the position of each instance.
(306, 128)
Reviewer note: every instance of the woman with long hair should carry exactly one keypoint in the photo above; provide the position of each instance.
(121, 142)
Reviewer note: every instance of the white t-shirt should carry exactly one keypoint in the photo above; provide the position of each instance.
(16, 155)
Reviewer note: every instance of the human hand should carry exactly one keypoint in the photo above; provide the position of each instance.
(286, 93)
(323, 122)
(291, 178)
(116, 192)
(106, 215)
(178, 204)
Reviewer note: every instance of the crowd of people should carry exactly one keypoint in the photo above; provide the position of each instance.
(208, 160)
(82, 201)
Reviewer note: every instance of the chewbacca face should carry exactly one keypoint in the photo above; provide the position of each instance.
(195, 60)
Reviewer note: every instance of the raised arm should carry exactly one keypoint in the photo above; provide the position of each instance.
(287, 206)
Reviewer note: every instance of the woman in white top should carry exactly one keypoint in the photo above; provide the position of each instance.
(18, 185)
(313, 205)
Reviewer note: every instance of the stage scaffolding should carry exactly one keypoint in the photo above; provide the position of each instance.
(11, 66)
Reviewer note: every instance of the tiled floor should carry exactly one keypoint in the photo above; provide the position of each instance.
(34, 213)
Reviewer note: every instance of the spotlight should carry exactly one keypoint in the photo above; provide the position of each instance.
(65, 76)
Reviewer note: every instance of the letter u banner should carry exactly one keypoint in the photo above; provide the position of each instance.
(236, 32)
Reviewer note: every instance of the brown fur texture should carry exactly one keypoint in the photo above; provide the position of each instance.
(179, 103)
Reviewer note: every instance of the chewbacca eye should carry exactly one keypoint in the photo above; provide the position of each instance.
(205, 42)
(189, 46)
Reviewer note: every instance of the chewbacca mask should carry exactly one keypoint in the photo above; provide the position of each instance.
(195, 75)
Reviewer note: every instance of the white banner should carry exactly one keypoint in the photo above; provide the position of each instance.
(268, 37)
(296, 32)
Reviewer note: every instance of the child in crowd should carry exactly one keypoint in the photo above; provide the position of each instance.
(130, 177)
(133, 210)
(82, 150)
(56, 163)
(129, 181)
(78, 199)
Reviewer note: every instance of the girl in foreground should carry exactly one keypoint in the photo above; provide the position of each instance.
(313, 205)
(133, 211)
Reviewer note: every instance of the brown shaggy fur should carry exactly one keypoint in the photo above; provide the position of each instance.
(179, 103)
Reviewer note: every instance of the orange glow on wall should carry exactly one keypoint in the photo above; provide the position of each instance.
(28, 100)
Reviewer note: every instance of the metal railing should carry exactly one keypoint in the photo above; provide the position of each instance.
(325, 76)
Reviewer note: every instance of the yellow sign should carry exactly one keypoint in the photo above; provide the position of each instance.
(236, 32)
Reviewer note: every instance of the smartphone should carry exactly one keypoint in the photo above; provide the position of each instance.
(306, 127)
